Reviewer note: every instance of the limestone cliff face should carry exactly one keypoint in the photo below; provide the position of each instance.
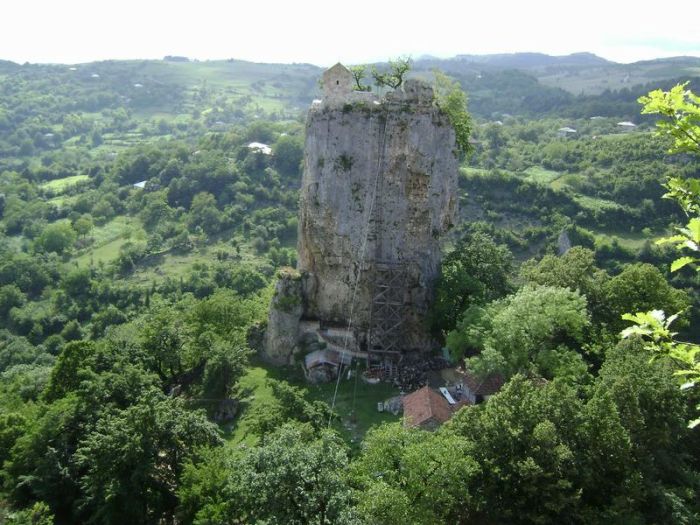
(379, 190)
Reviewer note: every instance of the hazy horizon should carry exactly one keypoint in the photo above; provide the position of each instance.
(309, 31)
(417, 57)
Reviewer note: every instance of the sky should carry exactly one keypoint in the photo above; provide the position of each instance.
(355, 31)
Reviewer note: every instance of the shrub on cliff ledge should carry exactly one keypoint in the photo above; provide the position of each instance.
(453, 102)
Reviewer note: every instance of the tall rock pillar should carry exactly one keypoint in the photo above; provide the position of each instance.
(378, 192)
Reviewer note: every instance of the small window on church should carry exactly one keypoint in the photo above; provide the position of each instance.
(337, 82)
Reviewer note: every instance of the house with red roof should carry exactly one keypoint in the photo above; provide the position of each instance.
(428, 409)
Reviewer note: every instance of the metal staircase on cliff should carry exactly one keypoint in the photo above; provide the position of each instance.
(386, 318)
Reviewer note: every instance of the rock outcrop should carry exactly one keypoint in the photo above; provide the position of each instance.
(282, 334)
(379, 191)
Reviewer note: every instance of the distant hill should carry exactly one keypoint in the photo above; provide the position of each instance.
(578, 73)
(230, 91)
(7, 67)
(533, 60)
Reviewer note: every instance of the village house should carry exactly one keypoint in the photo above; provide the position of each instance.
(566, 132)
(477, 390)
(427, 409)
(626, 126)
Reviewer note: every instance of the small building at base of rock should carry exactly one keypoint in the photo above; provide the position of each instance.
(476, 390)
(427, 409)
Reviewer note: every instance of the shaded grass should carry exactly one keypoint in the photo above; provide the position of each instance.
(355, 406)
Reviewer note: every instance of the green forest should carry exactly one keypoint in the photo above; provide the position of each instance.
(147, 207)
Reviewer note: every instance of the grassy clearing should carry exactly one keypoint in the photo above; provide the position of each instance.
(109, 238)
(255, 382)
(356, 405)
(593, 203)
(631, 241)
(541, 176)
(63, 200)
(177, 264)
(102, 254)
(356, 402)
(60, 185)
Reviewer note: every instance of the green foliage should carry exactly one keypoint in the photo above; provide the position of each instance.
(681, 107)
(654, 413)
(536, 330)
(58, 238)
(453, 102)
(10, 297)
(575, 270)
(295, 476)
(474, 273)
(408, 475)
(641, 287)
(289, 403)
(133, 460)
(37, 514)
(65, 376)
(203, 213)
(83, 225)
(655, 329)
(358, 73)
(394, 77)
(288, 154)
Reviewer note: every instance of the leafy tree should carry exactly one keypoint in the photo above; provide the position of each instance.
(394, 77)
(40, 467)
(521, 439)
(535, 330)
(10, 297)
(17, 350)
(12, 426)
(681, 108)
(134, 458)
(58, 237)
(37, 514)
(409, 475)
(296, 477)
(155, 210)
(640, 288)
(109, 316)
(165, 341)
(288, 154)
(453, 101)
(575, 270)
(289, 404)
(476, 272)
(72, 331)
(358, 74)
(83, 225)
(653, 412)
(78, 283)
(203, 213)
(65, 375)
(208, 488)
